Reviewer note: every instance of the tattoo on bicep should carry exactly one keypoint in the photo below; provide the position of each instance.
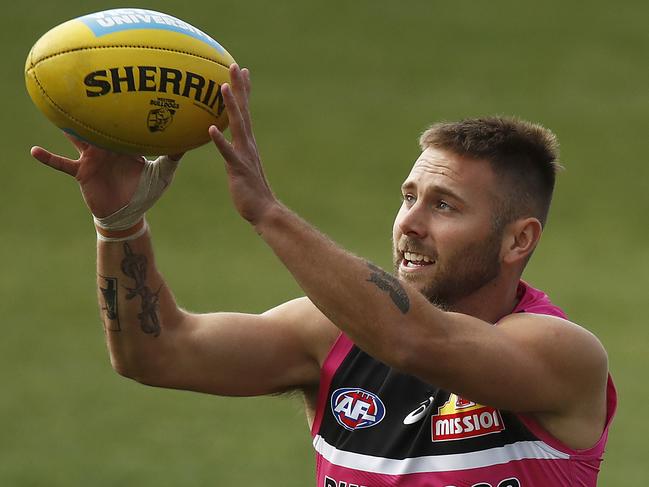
(109, 293)
(135, 267)
(390, 284)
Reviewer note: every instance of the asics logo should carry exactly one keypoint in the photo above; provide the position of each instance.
(420, 412)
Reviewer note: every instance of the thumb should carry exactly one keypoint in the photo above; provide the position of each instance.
(57, 162)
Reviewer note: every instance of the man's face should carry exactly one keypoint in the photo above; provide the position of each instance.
(444, 240)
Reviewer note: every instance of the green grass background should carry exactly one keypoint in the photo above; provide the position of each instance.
(341, 91)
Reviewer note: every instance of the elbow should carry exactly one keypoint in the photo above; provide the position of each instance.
(401, 357)
(123, 368)
(130, 370)
(420, 354)
(404, 353)
(410, 360)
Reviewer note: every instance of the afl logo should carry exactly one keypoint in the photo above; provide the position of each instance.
(356, 408)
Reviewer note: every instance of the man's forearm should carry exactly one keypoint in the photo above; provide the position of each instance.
(136, 305)
(370, 305)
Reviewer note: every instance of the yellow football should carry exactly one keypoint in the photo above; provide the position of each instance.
(130, 80)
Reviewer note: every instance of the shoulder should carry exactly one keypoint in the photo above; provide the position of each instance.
(558, 337)
(573, 354)
(577, 364)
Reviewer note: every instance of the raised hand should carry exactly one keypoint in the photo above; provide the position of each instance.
(107, 180)
(112, 182)
(249, 188)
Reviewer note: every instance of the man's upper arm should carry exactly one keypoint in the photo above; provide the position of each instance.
(239, 354)
(525, 363)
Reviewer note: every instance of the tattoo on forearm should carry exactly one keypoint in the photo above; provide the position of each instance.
(135, 266)
(109, 294)
(389, 283)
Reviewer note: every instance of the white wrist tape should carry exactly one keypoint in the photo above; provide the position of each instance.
(156, 177)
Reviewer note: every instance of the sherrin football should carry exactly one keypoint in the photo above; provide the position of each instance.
(130, 80)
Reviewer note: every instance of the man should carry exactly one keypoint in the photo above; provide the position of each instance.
(452, 373)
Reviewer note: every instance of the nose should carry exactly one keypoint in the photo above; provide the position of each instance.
(412, 221)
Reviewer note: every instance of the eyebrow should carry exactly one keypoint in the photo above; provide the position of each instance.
(436, 188)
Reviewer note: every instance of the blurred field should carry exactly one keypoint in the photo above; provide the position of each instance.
(341, 91)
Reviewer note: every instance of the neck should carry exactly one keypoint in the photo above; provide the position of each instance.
(492, 301)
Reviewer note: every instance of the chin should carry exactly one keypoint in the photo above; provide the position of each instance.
(417, 280)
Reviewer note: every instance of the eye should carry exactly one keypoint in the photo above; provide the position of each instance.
(443, 205)
(409, 199)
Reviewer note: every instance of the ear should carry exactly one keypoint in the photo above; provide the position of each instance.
(519, 240)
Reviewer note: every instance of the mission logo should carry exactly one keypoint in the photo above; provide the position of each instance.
(356, 408)
(459, 419)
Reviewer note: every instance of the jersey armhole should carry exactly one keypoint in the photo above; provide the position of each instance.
(597, 450)
(335, 357)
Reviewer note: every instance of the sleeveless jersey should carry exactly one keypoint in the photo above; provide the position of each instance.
(377, 427)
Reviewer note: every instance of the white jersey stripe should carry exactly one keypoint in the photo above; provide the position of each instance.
(521, 450)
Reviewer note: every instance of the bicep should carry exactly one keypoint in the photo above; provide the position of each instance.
(238, 354)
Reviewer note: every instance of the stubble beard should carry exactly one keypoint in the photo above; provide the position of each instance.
(460, 274)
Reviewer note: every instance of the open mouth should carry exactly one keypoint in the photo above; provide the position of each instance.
(413, 260)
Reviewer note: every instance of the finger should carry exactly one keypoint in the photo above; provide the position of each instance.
(222, 144)
(238, 84)
(237, 127)
(78, 143)
(59, 163)
(246, 77)
(241, 95)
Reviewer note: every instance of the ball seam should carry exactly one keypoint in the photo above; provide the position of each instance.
(122, 46)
